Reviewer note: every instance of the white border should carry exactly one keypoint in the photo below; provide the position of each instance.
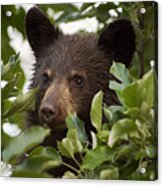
(58, 182)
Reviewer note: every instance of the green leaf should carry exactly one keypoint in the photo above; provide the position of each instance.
(69, 175)
(72, 135)
(39, 160)
(149, 53)
(125, 151)
(66, 147)
(141, 154)
(30, 174)
(97, 156)
(19, 119)
(130, 95)
(48, 152)
(111, 173)
(108, 113)
(93, 140)
(145, 108)
(127, 170)
(121, 130)
(96, 111)
(11, 68)
(6, 92)
(113, 113)
(38, 163)
(121, 73)
(134, 113)
(85, 6)
(8, 68)
(5, 139)
(103, 135)
(24, 141)
(22, 103)
(147, 152)
(116, 86)
(140, 91)
(5, 105)
(73, 122)
(106, 6)
(103, 17)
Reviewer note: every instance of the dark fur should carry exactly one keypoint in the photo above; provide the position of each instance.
(63, 55)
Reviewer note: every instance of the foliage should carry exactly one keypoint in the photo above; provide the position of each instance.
(122, 146)
(14, 103)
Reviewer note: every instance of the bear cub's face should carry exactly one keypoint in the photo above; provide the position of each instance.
(70, 69)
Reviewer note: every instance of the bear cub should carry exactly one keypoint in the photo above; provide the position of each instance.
(71, 69)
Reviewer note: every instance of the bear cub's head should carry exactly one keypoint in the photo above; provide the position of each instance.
(71, 69)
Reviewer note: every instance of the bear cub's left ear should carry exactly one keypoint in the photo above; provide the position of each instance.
(118, 41)
(40, 32)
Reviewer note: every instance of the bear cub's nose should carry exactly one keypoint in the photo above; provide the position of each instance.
(49, 112)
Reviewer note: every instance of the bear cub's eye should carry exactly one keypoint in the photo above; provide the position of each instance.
(78, 81)
(45, 77)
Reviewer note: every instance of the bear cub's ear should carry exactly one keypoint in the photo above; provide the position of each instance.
(40, 32)
(118, 41)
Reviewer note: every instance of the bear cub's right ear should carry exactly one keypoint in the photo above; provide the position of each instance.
(40, 32)
(118, 41)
